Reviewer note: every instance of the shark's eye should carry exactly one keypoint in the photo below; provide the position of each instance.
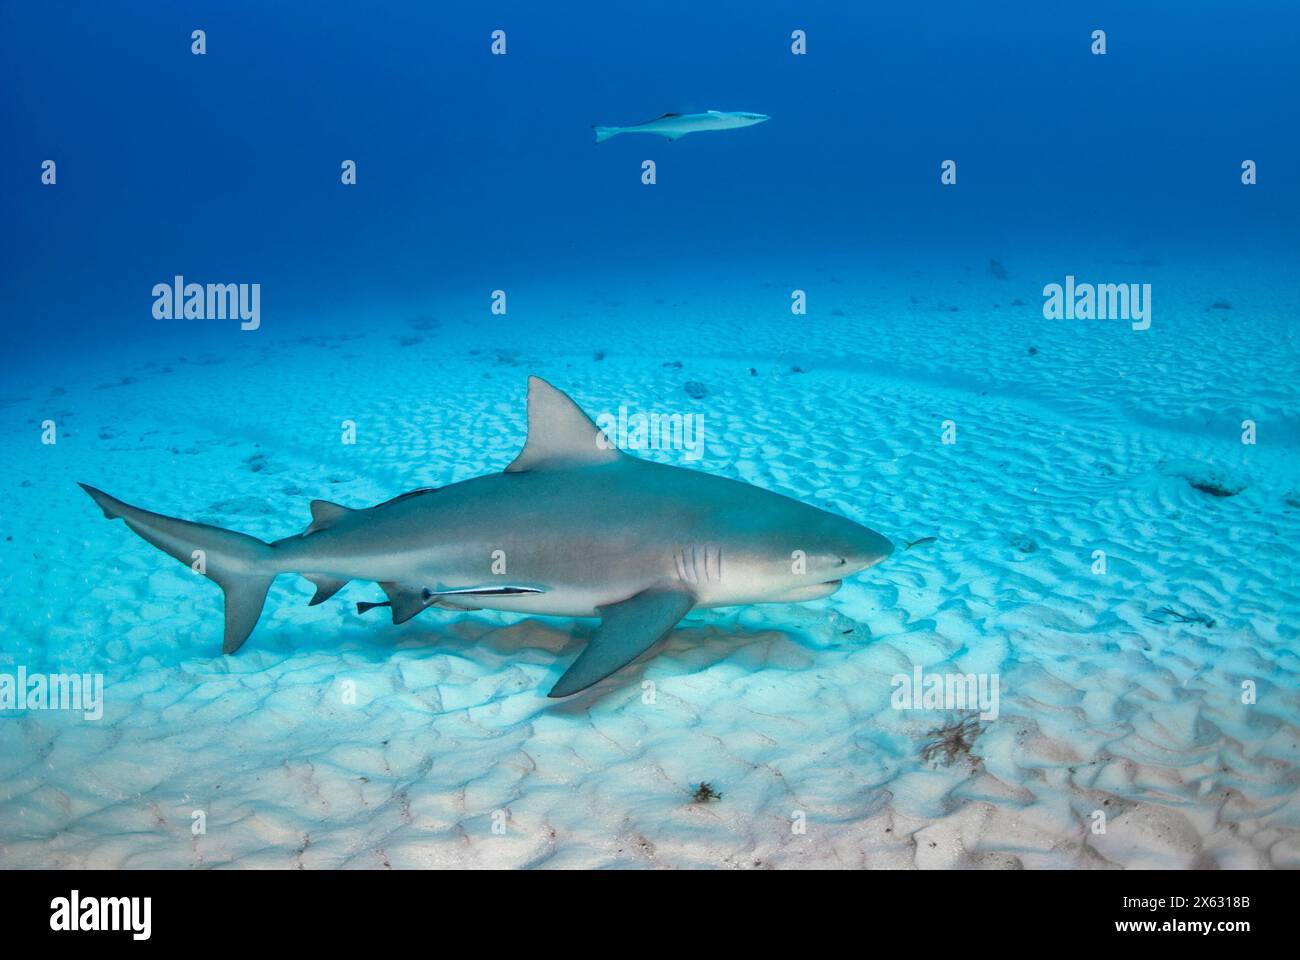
(843, 561)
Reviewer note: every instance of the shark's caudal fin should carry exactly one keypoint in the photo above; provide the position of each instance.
(604, 133)
(241, 565)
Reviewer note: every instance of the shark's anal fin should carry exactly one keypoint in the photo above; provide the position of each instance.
(627, 630)
(559, 433)
(326, 587)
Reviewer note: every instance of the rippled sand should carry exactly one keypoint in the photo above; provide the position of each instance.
(1114, 697)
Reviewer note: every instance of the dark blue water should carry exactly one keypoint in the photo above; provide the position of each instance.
(479, 172)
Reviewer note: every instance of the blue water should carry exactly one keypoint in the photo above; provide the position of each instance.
(478, 172)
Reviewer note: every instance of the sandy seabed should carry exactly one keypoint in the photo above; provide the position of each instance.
(333, 740)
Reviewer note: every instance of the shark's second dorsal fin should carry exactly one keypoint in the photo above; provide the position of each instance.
(559, 433)
(324, 515)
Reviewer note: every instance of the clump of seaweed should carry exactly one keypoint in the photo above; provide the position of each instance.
(953, 742)
(705, 793)
(1024, 544)
(1165, 614)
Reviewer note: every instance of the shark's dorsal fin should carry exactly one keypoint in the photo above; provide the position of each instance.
(559, 433)
(324, 514)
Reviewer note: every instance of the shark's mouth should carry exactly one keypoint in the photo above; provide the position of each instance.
(834, 584)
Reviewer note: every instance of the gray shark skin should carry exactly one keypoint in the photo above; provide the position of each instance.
(674, 126)
(573, 527)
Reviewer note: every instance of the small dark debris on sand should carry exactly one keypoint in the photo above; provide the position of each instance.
(1024, 545)
(753, 372)
(1165, 614)
(837, 312)
(1214, 485)
(674, 365)
(705, 793)
(409, 341)
(123, 382)
(797, 370)
(997, 269)
(598, 356)
(1017, 302)
(1219, 305)
(953, 742)
(1033, 350)
(696, 390)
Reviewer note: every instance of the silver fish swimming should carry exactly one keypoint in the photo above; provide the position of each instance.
(574, 527)
(674, 126)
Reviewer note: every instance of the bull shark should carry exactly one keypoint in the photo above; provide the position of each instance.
(674, 126)
(574, 527)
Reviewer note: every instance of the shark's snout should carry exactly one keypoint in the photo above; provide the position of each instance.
(868, 549)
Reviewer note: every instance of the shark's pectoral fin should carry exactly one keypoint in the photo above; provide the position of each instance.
(627, 630)
(326, 587)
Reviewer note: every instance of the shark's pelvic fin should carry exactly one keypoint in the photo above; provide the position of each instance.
(406, 601)
(241, 565)
(627, 629)
(559, 433)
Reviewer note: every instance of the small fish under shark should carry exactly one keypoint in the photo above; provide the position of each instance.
(573, 527)
(674, 126)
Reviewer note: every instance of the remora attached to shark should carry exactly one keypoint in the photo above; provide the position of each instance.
(574, 527)
(677, 125)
